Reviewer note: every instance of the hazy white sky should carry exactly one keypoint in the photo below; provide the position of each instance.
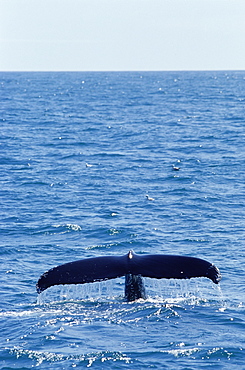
(89, 35)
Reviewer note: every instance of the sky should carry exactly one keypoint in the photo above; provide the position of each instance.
(122, 35)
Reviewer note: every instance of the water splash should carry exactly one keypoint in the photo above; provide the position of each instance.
(170, 291)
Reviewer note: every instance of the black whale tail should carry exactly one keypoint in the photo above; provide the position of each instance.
(103, 268)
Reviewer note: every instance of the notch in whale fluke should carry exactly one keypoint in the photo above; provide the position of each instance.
(103, 268)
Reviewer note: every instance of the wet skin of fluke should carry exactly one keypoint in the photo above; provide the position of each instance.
(133, 267)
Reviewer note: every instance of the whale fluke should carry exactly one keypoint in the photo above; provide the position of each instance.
(133, 267)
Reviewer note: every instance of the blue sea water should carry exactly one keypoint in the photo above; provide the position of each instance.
(79, 152)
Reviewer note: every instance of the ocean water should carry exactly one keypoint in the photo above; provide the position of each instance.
(79, 152)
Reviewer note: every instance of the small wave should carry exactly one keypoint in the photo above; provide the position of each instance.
(69, 227)
(46, 230)
(182, 351)
(104, 246)
(50, 357)
(57, 229)
(204, 353)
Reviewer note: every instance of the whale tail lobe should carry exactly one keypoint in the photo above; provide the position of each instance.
(133, 267)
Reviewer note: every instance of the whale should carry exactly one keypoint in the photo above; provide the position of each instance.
(133, 266)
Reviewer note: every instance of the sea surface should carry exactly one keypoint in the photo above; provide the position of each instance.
(79, 152)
